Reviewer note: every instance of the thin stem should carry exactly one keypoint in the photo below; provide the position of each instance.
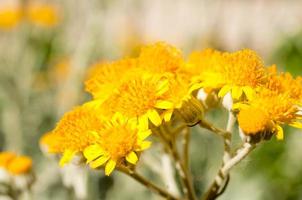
(207, 125)
(223, 175)
(183, 173)
(186, 145)
(147, 183)
(227, 140)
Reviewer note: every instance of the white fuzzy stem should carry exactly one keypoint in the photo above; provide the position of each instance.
(241, 154)
(168, 175)
(228, 138)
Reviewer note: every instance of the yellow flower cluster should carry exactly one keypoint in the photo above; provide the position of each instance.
(133, 96)
(40, 14)
(15, 165)
(264, 99)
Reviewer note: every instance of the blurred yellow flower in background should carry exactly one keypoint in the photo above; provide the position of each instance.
(10, 16)
(14, 164)
(20, 165)
(41, 14)
(46, 15)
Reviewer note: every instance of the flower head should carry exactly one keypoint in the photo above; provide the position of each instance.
(284, 83)
(14, 164)
(118, 141)
(5, 158)
(239, 72)
(104, 78)
(20, 165)
(267, 111)
(206, 64)
(73, 133)
(160, 58)
(137, 98)
(243, 73)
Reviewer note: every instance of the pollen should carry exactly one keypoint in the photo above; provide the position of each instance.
(244, 68)
(279, 106)
(160, 58)
(105, 77)
(137, 98)
(284, 83)
(73, 132)
(117, 142)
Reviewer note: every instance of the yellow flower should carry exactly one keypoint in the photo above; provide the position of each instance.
(160, 58)
(104, 78)
(137, 98)
(276, 109)
(46, 15)
(205, 65)
(239, 73)
(284, 83)
(73, 133)
(49, 142)
(10, 16)
(254, 120)
(15, 164)
(243, 73)
(5, 158)
(179, 97)
(120, 140)
(20, 165)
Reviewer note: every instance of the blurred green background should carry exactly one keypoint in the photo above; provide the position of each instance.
(42, 70)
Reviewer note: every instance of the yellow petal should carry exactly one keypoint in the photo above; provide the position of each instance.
(95, 134)
(144, 134)
(144, 145)
(162, 87)
(154, 117)
(249, 92)
(132, 158)
(168, 115)
(94, 103)
(225, 89)
(279, 134)
(236, 92)
(118, 118)
(92, 152)
(194, 87)
(143, 122)
(67, 156)
(163, 104)
(110, 167)
(99, 162)
(296, 124)
(239, 106)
